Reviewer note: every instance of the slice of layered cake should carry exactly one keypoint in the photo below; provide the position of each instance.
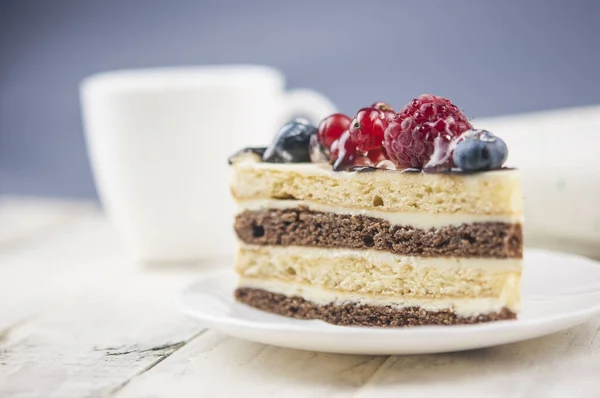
(411, 221)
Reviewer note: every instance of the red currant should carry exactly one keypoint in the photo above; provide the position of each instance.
(386, 109)
(377, 155)
(389, 115)
(343, 151)
(367, 128)
(332, 127)
(382, 106)
(369, 159)
(363, 161)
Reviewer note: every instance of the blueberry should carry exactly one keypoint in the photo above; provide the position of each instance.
(291, 144)
(480, 150)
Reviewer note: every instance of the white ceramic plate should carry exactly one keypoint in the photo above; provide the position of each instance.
(559, 291)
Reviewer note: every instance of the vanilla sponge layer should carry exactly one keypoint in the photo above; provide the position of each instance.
(490, 193)
(384, 276)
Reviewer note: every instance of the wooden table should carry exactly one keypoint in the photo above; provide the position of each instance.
(78, 320)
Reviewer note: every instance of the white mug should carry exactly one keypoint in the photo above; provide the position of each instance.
(158, 142)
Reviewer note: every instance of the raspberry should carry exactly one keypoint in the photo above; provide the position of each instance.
(367, 128)
(426, 125)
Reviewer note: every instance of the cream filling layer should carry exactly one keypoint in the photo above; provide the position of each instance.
(317, 295)
(390, 259)
(417, 220)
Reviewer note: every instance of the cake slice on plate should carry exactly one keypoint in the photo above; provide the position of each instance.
(411, 220)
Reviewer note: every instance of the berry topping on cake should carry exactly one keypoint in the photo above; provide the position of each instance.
(332, 127)
(382, 106)
(376, 155)
(343, 152)
(479, 150)
(387, 110)
(367, 128)
(251, 151)
(362, 161)
(291, 144)
(429, 134)
(318, 152)
(375, 159)
(428, 123)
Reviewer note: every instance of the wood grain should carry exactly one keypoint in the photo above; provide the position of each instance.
(96, 342)
(55, 267)
(548, 364)
(514, 370)
(216, 365)
(76, 317)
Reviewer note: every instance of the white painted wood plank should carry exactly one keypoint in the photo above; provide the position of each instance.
(214, 365)
(21, 218)
(541, 367)
(54, 267)
(95, 343)
(79, 319)
(574, 377)
(586, 340)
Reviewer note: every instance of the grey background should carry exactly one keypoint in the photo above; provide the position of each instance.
(490, 57)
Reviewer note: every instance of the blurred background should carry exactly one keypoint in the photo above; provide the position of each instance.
(490, 57)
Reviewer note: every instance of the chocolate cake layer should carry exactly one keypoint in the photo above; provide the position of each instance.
(304, 227)
(359, 314)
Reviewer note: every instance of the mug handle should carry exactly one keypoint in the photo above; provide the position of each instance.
(306, 103)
